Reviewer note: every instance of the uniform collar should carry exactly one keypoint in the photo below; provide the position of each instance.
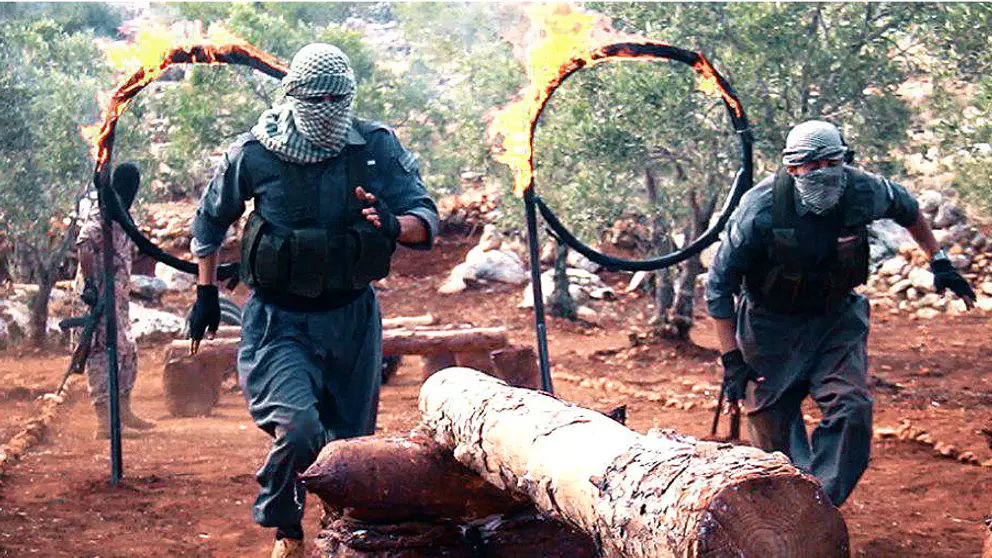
(354, 138)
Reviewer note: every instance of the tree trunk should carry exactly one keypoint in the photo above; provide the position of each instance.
(659, 496)
(987, 551)
(683, 305)
(39, 309)
(562, 305)
(661, 243)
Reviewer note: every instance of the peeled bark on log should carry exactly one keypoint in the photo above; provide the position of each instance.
(639, 496)
(418, 342)
(402, 479)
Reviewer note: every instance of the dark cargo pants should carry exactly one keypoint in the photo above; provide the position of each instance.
(309, 378)
(825, 357)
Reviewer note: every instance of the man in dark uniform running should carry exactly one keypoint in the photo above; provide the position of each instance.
(333, 195)
(798, 244)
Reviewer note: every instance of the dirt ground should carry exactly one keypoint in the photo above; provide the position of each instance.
(189, 484)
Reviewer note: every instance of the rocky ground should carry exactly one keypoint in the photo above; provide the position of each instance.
(189, 483)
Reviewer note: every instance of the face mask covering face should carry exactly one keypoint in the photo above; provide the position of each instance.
(820, 190)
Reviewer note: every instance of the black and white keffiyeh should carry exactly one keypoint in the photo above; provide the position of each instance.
(306, 128)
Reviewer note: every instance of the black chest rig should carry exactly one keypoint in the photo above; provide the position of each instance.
(317, 268)
(812, 264)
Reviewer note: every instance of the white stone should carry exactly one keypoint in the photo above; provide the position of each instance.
(587, 314)
(929, 200)
(983, 303)
(900, 286)
(577, 260)
(986, 287)
(147, 288)
(927, 313)
(151, 324)
(174, 279)
(637, 280)
(893, 266)
(921, 279)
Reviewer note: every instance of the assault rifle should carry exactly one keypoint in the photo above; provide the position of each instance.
(89, 323)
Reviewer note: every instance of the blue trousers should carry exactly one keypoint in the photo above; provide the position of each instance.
(309, 378)
(821, 356)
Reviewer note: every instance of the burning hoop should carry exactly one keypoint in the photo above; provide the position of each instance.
(566, 39)
(153, 57)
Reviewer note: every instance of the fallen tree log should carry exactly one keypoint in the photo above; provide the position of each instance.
(379, 479)
(408, 321)
(430, 342)
(395, 342)
(639, 496)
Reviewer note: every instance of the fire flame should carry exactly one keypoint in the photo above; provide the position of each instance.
(561, 39)
(153, 51)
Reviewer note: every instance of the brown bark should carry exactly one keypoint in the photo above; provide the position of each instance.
(396, 342)
(561, 303)
(402, 479)
(415, 342)
(409, 321)
(987, 551)
(640, 496)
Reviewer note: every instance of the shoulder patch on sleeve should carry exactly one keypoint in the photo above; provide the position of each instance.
(408, 161)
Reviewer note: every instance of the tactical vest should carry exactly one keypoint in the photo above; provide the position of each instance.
(791, 282)
(322, 264)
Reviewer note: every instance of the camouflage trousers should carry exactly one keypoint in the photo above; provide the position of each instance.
(98, 364)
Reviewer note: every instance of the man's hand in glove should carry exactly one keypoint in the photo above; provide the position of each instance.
(204, 317)
(946, 277)
(379, 214)
(736, 373)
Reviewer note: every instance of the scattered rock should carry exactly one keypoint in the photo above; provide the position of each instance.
(147, 288)
(148, 324)
(174, 279)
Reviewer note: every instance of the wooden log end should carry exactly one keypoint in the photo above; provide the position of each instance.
(784, 516)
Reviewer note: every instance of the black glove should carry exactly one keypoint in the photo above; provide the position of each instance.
(90, 295)
(389, 224)
(736, 373)
(946, 277)
(204, 316)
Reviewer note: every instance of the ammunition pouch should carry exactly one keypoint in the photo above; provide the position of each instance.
(792, 285)
(311, 262)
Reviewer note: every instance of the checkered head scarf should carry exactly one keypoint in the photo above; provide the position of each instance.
(306, 129)
(813, 140)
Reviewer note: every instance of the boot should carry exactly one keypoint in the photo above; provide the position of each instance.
(129, 419)
(288, 548)
(102, 431)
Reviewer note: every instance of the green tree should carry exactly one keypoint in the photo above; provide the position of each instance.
(610, 126)
(959, 62)
(47, 91)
